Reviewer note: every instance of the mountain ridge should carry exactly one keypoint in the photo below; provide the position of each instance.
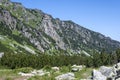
(39, 31)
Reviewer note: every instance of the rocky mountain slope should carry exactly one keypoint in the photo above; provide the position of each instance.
(33, 31)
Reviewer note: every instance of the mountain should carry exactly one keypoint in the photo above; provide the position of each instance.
(24, 30)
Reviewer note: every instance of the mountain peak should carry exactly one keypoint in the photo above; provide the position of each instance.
(41, 32)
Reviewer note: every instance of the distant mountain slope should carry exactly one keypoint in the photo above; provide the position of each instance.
(31, 30)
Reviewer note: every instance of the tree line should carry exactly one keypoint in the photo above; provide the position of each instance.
(12, 60)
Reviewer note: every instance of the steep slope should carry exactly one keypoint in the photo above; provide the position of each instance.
(31, 30)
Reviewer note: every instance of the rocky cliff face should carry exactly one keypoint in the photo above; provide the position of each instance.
(41, 31)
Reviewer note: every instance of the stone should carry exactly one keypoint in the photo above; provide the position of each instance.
(110, 73)
(55, 68)
(26, 74)
(42, 73)
(35, 72)
(107, 71)
(67, 76)
(1, 54)
(116, 70)
(117, 66)
(97, 75)
(76, 68)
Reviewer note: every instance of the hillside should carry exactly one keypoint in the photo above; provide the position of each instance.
(24, 30)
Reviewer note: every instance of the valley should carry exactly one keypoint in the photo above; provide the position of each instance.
(36, 46)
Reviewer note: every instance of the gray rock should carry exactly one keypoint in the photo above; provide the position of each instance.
(55, 68)
(112, 73)
(76, 68)
(34, 73)
(42, 73)
(1, 54)
(96, 75)
(26, 74)
(67, 76)
(116, 71)
(106, 71)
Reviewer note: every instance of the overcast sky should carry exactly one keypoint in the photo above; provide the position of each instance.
(98, 15)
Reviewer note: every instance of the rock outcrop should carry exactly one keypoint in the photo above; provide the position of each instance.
(44, 33)
(97, 75)
(104, 73)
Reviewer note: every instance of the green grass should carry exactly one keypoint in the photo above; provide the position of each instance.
(42, 78)
(64, 69)
(7, 74)
(24, 70)
(14, 45)
(83, 74)
(15, 32)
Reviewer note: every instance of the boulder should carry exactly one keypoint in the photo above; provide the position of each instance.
(118, 66)
(26, 74)
(116, 70)
(42, 73)
(97, 75)
(107, 71)
(55, 68)
(35, 72)
(1, 54)
(76, 68)
(67, 76)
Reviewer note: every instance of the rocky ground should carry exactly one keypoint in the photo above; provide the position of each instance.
(75, 72)
(56, 73)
